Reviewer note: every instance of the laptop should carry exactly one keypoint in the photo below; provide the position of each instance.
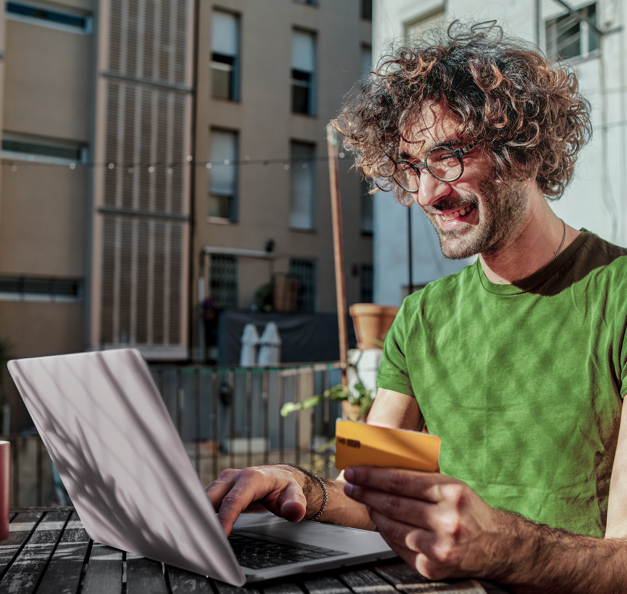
(134, 487)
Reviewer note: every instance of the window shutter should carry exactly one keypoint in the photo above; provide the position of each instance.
(224, 34)
(303, 186)
(303, 52)
(143, 211)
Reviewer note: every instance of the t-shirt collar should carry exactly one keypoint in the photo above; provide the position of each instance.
(539, 277)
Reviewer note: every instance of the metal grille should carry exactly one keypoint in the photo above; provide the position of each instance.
(49, 287)
(67, 153)
(142, 281)
(305, 272)
(224, 281)
(148, 39)
(144, 251)
(366, 283)
(145, 132)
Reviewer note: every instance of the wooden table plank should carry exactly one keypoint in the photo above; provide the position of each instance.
(326, 585)
(144, 575)
(22, 524)
(405, 579)
(365, 581)
(63, 574)
(185, 581)
(23, 574)
(103, 573)
(283, 589)
(222, 588)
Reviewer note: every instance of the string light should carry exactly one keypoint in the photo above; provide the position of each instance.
(152, 167)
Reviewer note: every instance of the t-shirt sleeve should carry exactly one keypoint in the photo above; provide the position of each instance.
(623, 363)
(393, 372)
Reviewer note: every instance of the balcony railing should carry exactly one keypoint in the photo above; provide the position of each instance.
(226, 417)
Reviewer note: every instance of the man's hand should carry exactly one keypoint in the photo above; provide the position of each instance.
(277, 488)
(435, 523)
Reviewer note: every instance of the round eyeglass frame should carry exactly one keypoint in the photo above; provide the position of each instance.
(458, 153)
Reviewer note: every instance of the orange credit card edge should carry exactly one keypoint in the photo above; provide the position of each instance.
(385, 447)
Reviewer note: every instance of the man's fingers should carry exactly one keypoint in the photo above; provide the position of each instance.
(402, 534)
(245, 487)
(410, 483)
(256, 489)
(410, 511)
(293, 503)
(220, 487)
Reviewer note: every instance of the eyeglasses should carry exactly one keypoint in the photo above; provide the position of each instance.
(442, 162)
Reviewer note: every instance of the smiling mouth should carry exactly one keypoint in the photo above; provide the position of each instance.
(451, 216)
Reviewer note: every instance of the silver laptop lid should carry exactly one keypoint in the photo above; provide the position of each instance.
(111, 438)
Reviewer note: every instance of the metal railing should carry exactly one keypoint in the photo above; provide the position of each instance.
(227, 417)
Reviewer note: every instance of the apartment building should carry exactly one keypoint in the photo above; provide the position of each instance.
(586, 36)
(160, 153)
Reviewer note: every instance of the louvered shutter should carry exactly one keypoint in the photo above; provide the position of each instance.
(143, 203)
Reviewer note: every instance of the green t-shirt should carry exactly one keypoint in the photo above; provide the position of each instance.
(523, 382)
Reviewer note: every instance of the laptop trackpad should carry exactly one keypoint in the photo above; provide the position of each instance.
(311, 533)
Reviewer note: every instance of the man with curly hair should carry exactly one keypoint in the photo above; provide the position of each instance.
(518, 362)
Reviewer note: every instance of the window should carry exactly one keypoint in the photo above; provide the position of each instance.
(366, 63)
(58, 19)
(223, 175)
(366, 208)
(366, 9)
(303, 72)
(223, 281)
(29, 288)
(366, 283)
(567, 37)
(42, 150)
(304, 271)
(225, 56)
(303, 185)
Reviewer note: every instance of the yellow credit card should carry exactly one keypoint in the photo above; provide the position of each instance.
(360, 444)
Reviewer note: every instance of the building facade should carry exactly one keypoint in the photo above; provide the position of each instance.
(158, 155)
(589, 37)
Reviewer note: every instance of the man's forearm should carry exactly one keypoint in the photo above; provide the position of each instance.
(536, 558)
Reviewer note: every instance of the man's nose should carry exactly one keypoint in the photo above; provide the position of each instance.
(431, 189)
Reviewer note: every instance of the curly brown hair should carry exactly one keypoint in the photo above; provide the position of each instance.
(506, 94)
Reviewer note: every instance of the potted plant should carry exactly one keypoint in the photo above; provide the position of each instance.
(356, 401)
(371, 322)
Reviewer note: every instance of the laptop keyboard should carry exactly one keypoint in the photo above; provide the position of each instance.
(258, 553)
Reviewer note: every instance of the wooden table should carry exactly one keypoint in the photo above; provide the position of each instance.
(49, 552)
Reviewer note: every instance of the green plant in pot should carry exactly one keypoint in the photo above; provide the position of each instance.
(356, 401)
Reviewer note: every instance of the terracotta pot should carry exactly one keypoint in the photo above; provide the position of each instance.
(351, 411)
(372, 323)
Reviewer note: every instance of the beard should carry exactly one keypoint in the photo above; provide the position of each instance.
(502, 210)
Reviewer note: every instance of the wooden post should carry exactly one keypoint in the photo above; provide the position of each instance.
(338, 246)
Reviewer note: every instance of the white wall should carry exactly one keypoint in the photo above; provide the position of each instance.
(596, 198)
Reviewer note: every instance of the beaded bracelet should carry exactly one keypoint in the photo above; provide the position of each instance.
(316, 477)
(324, 494)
